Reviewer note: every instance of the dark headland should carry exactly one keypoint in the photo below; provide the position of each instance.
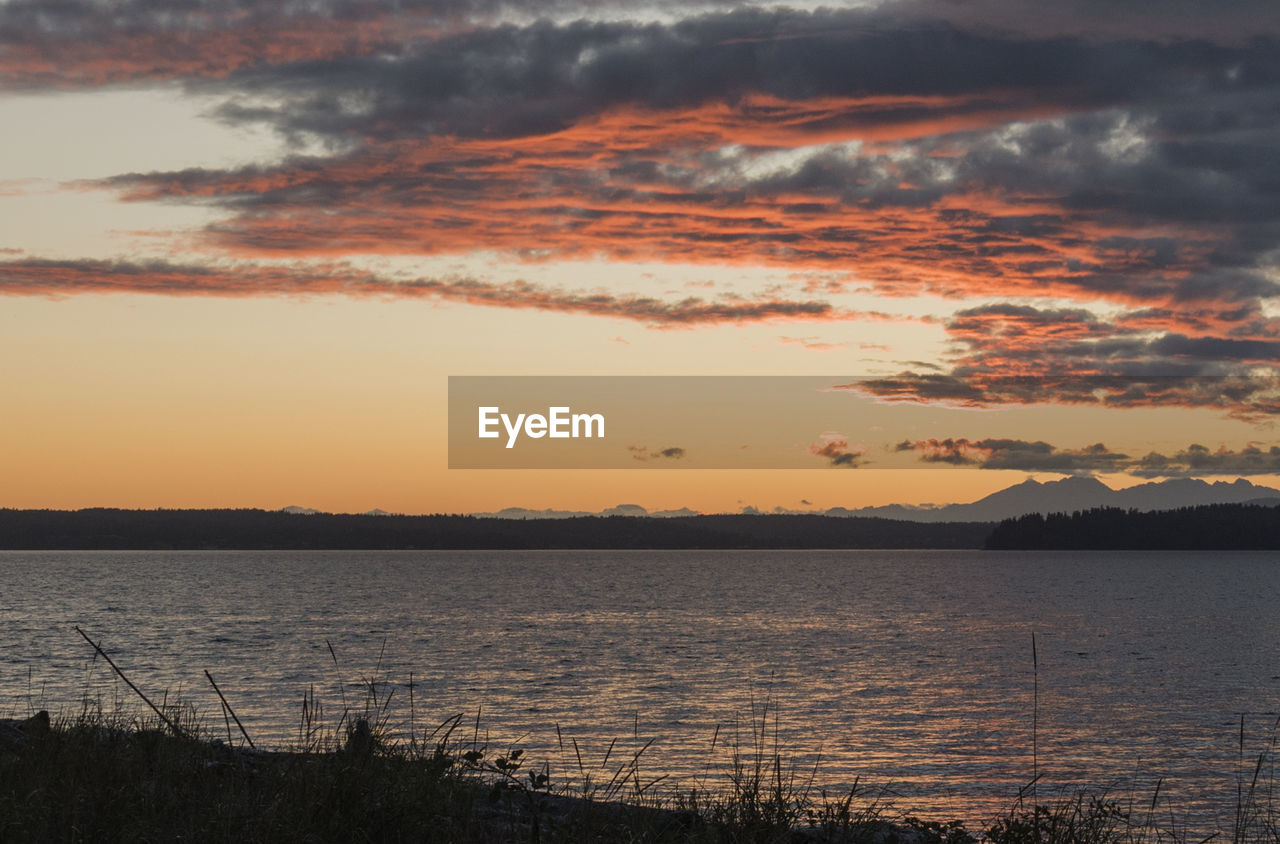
(1207, 527)
(104, 529)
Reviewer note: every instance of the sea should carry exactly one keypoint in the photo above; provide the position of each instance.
(943, 684)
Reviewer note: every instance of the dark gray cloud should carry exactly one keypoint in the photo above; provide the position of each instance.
(1017, 454)
(1198, 460)
(1253, 397)
(512, 80)
(1194, 461)
(1155, 19)
(1162, 20)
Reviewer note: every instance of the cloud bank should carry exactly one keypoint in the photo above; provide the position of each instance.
(64, 278)
(1094, 188)
(1194, 461)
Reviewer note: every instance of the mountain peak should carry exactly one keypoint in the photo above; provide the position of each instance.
(1080, 482)
(634, 510)
(1185, 483)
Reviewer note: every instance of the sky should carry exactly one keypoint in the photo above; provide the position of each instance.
(244, 245)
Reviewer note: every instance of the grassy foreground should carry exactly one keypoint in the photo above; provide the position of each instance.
(100, 778)
(100, 775)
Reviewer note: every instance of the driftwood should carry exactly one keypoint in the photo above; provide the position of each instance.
(16, 733)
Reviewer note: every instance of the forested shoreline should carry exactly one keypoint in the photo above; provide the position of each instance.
(1207, 527)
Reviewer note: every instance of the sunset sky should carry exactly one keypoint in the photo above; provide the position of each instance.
(243, 245)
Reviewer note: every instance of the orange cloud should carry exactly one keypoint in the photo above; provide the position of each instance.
(836, 451)
(571, 196)
(813, 344)
(64, 278)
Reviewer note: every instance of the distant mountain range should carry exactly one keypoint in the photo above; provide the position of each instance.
(634, 510)
(1031, 496)
(307, 511)
(1077, 493)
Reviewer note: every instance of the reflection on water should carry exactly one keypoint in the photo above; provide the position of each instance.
(908, 669)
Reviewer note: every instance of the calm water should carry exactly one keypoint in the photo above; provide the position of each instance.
(911, 670)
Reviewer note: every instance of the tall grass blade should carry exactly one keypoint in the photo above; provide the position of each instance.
(165, 718)
(228, 708)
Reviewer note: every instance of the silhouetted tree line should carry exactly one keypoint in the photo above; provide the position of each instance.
(1207, 527)
(261, 529)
